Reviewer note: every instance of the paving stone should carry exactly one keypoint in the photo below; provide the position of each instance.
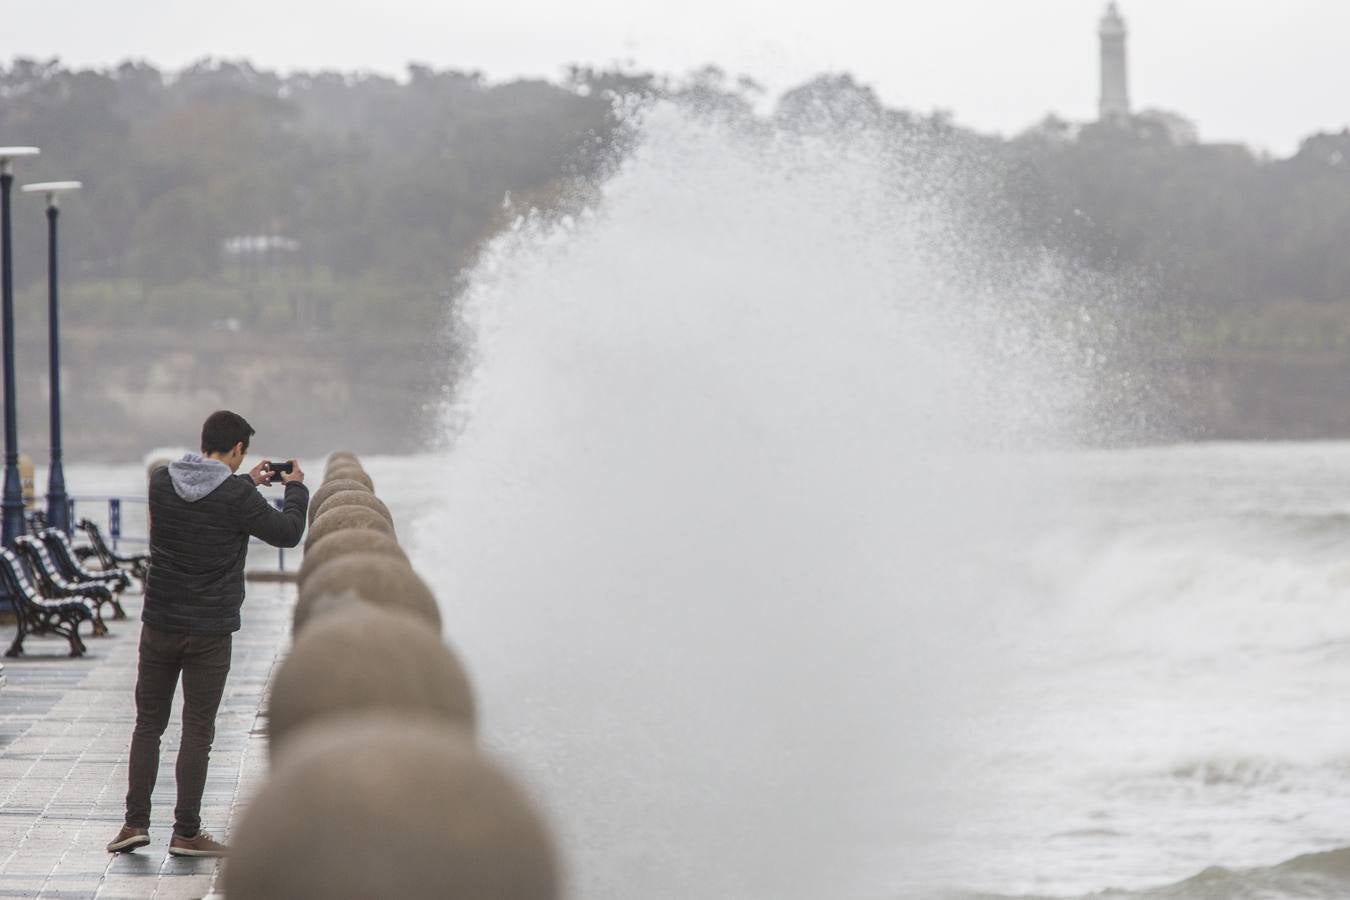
(20, 887)
(65, 731)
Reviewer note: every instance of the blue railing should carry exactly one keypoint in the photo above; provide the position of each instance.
(113, 521)
(114, 524)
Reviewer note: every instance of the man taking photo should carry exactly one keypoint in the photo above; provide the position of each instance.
(201, 518)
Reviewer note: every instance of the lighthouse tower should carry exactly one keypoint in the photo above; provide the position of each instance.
(1115, 101)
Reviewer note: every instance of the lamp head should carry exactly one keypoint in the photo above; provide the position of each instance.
(51, 189)
(9, 154)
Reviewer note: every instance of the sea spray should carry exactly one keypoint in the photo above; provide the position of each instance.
(726, 480)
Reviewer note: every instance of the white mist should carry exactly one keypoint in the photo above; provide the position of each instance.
(712, 535)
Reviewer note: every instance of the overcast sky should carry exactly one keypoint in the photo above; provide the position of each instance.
(1265, 72)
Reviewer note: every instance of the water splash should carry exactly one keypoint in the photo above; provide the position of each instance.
(723, 481)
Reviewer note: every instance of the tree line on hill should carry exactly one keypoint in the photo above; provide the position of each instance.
(223, 193)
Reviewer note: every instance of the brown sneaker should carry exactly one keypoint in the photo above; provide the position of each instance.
(129, 839)
(201, 845)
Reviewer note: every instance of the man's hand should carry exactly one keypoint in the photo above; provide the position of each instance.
(259, 474)
(295, 476)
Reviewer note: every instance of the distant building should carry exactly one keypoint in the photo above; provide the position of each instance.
(258, 247)
(1115, 99)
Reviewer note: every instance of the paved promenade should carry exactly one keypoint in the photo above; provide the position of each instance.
(65, 728)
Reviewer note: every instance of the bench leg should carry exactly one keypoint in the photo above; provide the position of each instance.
(16, 648)
(77, 647)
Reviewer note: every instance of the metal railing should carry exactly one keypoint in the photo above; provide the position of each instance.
(113, 520)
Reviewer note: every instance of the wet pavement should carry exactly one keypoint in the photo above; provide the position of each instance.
(65, 730)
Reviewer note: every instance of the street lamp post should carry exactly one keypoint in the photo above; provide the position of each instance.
(12, 504)
(58, 508)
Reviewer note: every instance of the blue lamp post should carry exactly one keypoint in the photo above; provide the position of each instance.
(58, 507)
(12, 504)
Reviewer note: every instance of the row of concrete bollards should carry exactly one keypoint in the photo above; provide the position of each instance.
(377, 787)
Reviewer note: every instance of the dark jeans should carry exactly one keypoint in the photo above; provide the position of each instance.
(204, 661)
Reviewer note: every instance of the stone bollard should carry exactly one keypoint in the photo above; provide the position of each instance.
(378, 579)
(355, 498)
(332, 603)
(351, 473)
(365, 660)
(328, 489)
(350, 540)
(383, 806)
(341, 458)
(343, 517)
(344, 465)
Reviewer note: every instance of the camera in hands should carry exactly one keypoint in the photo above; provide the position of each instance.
(276, 469)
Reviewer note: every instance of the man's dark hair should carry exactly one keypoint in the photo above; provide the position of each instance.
(222, 430)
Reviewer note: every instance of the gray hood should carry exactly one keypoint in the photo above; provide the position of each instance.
(194, 476)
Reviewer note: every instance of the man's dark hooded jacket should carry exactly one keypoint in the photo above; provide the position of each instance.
(201, 517)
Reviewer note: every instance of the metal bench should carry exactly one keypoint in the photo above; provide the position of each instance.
(136, 563)
(56, 586)
(36, 614)
(63, 554)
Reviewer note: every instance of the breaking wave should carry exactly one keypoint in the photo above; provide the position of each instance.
(1312, 876)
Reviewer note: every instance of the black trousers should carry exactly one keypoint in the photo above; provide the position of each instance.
(204, 662)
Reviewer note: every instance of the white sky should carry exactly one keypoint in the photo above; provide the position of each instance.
(1265, 72)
